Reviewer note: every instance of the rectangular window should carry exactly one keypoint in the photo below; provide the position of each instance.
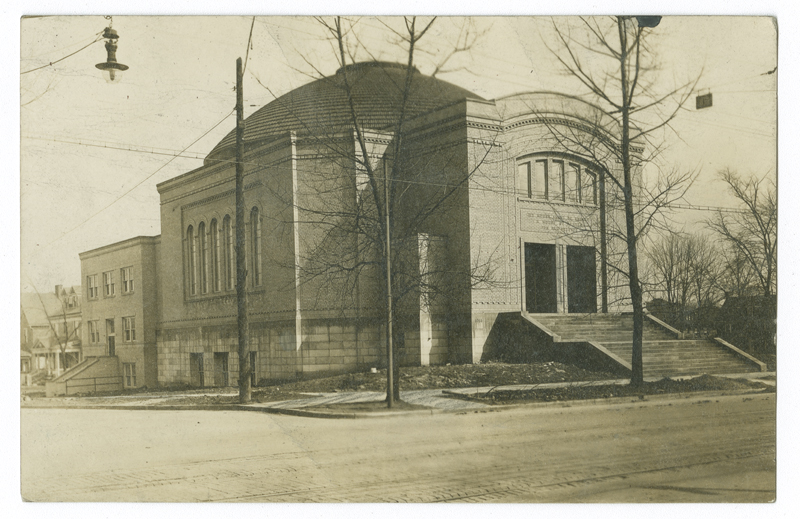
(230, 259)
(91, 286)
(108, 284)
(572, 186)
(555, 181)
(126, 275)
(94, 332)
(129, 370)
(524, 179)
(129, 329)
(539, 181)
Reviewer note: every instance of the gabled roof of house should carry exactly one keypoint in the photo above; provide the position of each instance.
(37, 307)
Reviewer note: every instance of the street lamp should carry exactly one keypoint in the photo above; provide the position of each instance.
(112, 70)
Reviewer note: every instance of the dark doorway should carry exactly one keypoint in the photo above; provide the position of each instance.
(112, 351)
(196, 369)
(581, 280)
(253, 370)
(540, 278)
(220, 369)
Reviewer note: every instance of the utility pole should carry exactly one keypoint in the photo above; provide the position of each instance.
(241, 271)
(603, 246)
(388, 249)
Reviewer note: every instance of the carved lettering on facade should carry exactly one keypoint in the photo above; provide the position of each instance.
(553, 222)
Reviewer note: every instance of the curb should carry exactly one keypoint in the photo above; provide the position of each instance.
(339, 415)
(243, 407)
(222, 407)
(305, 413)
(621, 400)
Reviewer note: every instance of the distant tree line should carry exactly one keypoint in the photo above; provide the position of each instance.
(721, 279)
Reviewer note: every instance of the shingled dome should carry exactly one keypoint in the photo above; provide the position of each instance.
(321, 106)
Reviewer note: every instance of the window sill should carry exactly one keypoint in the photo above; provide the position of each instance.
(554, 202)
(221, 295)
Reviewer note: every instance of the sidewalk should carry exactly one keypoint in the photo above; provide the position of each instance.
(437, 399)
(318, 404)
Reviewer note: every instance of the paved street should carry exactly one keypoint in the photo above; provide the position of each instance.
(718, 448)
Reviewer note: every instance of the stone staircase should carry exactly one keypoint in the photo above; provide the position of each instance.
(664, 352)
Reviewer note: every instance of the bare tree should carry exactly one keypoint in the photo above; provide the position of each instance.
(736, 277)
(614, 63)
(704, 268)
(683, 269)
(752, 233)
(668, 273)
(371, 202)
(60, 327)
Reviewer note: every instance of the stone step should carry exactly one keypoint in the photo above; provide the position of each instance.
(684, 357)
(663, 354)
(606, 339)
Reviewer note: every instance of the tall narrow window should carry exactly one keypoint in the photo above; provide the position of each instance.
(524, 179)
(108, 284)
(539, 181)
(129, 329)
(202, 271)
(589, 187)
(555, 181)
(572, 186)
(126, 275)
(214, 240)
(94, 332)
(129, 369)
(227, 241)
(91, 285)
(255, 240)
(192, 252)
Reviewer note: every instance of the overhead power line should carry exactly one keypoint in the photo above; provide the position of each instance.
(65, 57)
(181, 153)
(120, 197)
(120, 147)
(693, 207)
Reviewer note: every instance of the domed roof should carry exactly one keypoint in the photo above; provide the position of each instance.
(321, 106)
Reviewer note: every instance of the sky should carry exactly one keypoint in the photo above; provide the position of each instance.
(92, 152)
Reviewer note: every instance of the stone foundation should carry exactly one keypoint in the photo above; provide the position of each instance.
(327, 346)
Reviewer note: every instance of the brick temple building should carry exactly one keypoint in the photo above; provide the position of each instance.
(511, 227)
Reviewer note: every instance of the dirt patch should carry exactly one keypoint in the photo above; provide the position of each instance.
(411, 378)
(436, 377)
(586, 392)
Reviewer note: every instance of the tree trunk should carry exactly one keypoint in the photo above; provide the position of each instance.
(637, 367)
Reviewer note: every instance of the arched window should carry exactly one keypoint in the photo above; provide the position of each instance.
(255, 241)
(191, 251)
(203, 270)
(228, 253)
(556, 178)
(214, 240)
